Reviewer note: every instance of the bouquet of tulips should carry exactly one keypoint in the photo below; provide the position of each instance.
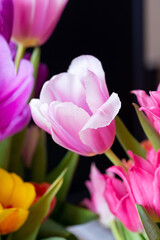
(75, 108)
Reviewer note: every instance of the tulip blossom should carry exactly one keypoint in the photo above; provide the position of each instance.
(121, 204)
(150, 105)
(35, 20)
(75, 108)
(15, 90)
(142, 182)
(16, 197)
(6, 19)
(97, 203)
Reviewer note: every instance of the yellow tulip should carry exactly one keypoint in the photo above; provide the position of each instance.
(16, 197)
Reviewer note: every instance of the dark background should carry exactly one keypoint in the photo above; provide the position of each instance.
(112, 31)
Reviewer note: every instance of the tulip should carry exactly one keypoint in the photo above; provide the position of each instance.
(75, 108)
(35, 20)
(15, 91)
(150, 105)
(6, 19)
(142, 182)
(121, 204)
(97, 203)
(15, 199)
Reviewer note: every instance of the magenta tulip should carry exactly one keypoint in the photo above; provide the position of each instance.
(75, 108)
(142, 182)
(6, 18)
(35, 20)
(15, 90)
(97, 203)
(150, 105)
(121, 204)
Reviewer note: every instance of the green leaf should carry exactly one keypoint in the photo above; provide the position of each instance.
(70, 162)
(38, 167)
(73, 215)
(54, 238)
(126, 234)
(148, 128)
(51, 228)
(15, 162)
(35, 60)
(5, 149)
(38, 211)
(150, 227)
(127, 141)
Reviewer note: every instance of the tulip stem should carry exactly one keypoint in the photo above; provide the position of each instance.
(114, 230)
(19, 55)
(114, 159)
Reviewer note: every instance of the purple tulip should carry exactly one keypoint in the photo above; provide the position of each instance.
(75, 108)
(15, 90)
(6, 18)
(35, 20)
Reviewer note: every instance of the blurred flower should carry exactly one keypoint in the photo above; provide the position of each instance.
(15, 90)
(30, 144)
(6, 18)
(142, 182)
(35, 20)
(41, 188)
(97, 203)
(16, 197)
(150, 105)
(75, 108)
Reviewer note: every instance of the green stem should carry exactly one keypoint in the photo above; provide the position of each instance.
(19, 55)
(115, 231)
(114, 159)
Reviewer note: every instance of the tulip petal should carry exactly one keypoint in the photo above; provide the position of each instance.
(141, 186)
(67, 120)
(98, 133)
(23, 194)
(80, 65)
(6, 19)
(12, 219)
(64, 87)
(156, 189)
(6, 187)
(140, 162)
(121, 205)
(143, 98)
(94, 95)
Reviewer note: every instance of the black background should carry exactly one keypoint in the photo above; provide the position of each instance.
(111, 31)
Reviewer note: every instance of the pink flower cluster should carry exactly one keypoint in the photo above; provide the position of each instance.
(140, 185)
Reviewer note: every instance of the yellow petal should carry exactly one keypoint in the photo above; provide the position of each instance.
(31, 194)
(12, 219)
(6, 187)
(23, 193)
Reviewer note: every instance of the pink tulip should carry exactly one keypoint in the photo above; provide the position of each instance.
(150, 105)
(75, 108)
(142, 182)
(15, 90)
(97, 203)
(35, 20)
(121, 204)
